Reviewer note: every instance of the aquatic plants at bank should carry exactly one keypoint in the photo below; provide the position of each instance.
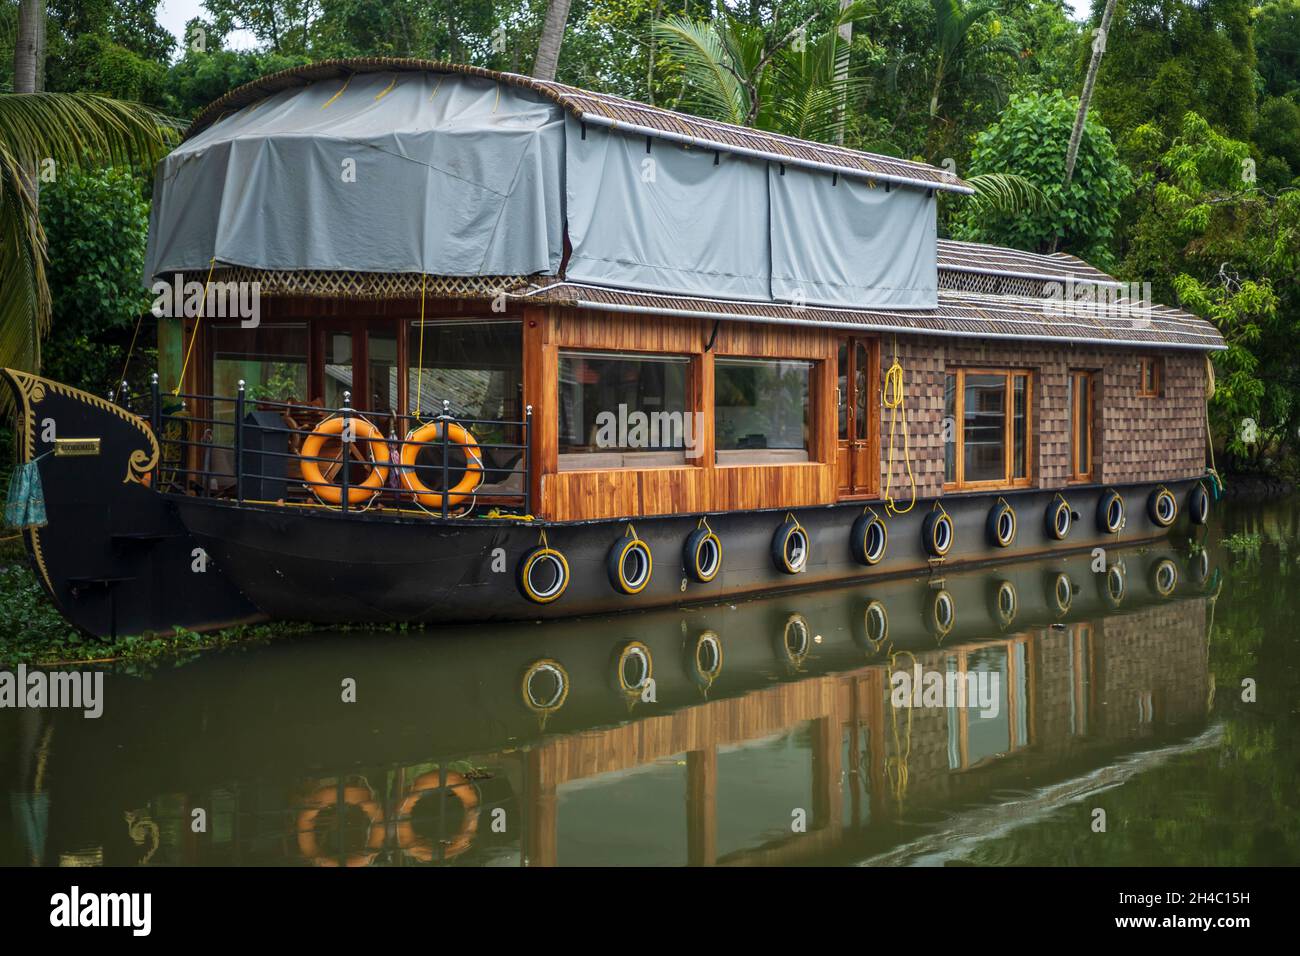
(32, 632)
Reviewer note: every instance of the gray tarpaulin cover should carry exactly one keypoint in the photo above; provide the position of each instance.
(448, 174)
(454, 175)
(667, 220)
(849, 242)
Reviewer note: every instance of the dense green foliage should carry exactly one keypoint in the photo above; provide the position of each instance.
(96, 224)
(1186, 178)
(1031, 138)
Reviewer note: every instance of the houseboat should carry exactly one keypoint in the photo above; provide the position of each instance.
(443, 344)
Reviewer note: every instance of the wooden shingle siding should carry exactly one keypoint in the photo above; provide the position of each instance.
(1137, 438)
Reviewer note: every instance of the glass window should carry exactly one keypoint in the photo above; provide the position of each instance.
(620, 409)
(950, 427)
(475, 365)
(338, 370)
(381, 357)
(761, 409)
(987, 416)
(271, 359)
(984, 427)
(1081, 401)
(1150, 377)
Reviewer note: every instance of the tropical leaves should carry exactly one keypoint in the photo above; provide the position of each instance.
(1007, 194)
(797, 86)
(40, 134)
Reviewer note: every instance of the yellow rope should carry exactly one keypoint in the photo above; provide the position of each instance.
(894, 401)
(203, 307)
(339, 93)
(1209, 435)
(419, 366)
(896, 766)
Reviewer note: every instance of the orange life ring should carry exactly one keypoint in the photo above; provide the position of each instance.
(353, 796)
(326, 490)
(432, 432)
(422, 849)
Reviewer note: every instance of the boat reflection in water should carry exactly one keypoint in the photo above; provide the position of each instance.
(767, 732)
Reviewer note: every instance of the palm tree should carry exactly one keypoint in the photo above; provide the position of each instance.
(40, 135)
(795, 86)
(548, 47)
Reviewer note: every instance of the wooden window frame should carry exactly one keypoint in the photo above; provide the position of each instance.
(1157, 366)
(1015, 743)
(959, 425)
(1089, 454)
(694, 377)
(815, 454)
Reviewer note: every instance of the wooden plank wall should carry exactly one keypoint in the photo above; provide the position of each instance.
(700, 484)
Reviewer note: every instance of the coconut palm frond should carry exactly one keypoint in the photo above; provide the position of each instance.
(1007, 194)
(72, 128)
(25, 304)
(713, 87)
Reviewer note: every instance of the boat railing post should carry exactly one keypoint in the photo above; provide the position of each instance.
(528, 460)
(346, 437)
(446, 422)
(155, 421)
(239, 443)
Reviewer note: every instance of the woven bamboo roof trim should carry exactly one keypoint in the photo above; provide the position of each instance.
(613, 111)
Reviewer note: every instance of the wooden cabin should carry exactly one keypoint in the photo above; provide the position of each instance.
(1061, 377)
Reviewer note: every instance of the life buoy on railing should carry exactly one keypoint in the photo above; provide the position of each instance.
(869, 538)
(1198, 504)
(790, 547)
(424, 438)
(937, 532)
(1060, 518)
(702, 553)
(1110, 512)
(1002, 523)
(428, 784)
(353, 796)
(1162, 507)
(362, 431)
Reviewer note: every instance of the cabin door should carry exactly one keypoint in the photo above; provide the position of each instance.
(856, 460)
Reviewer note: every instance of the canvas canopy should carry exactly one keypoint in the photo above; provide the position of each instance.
(464, 175)
(374, 173)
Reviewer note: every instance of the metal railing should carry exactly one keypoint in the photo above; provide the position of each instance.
(264, 462)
